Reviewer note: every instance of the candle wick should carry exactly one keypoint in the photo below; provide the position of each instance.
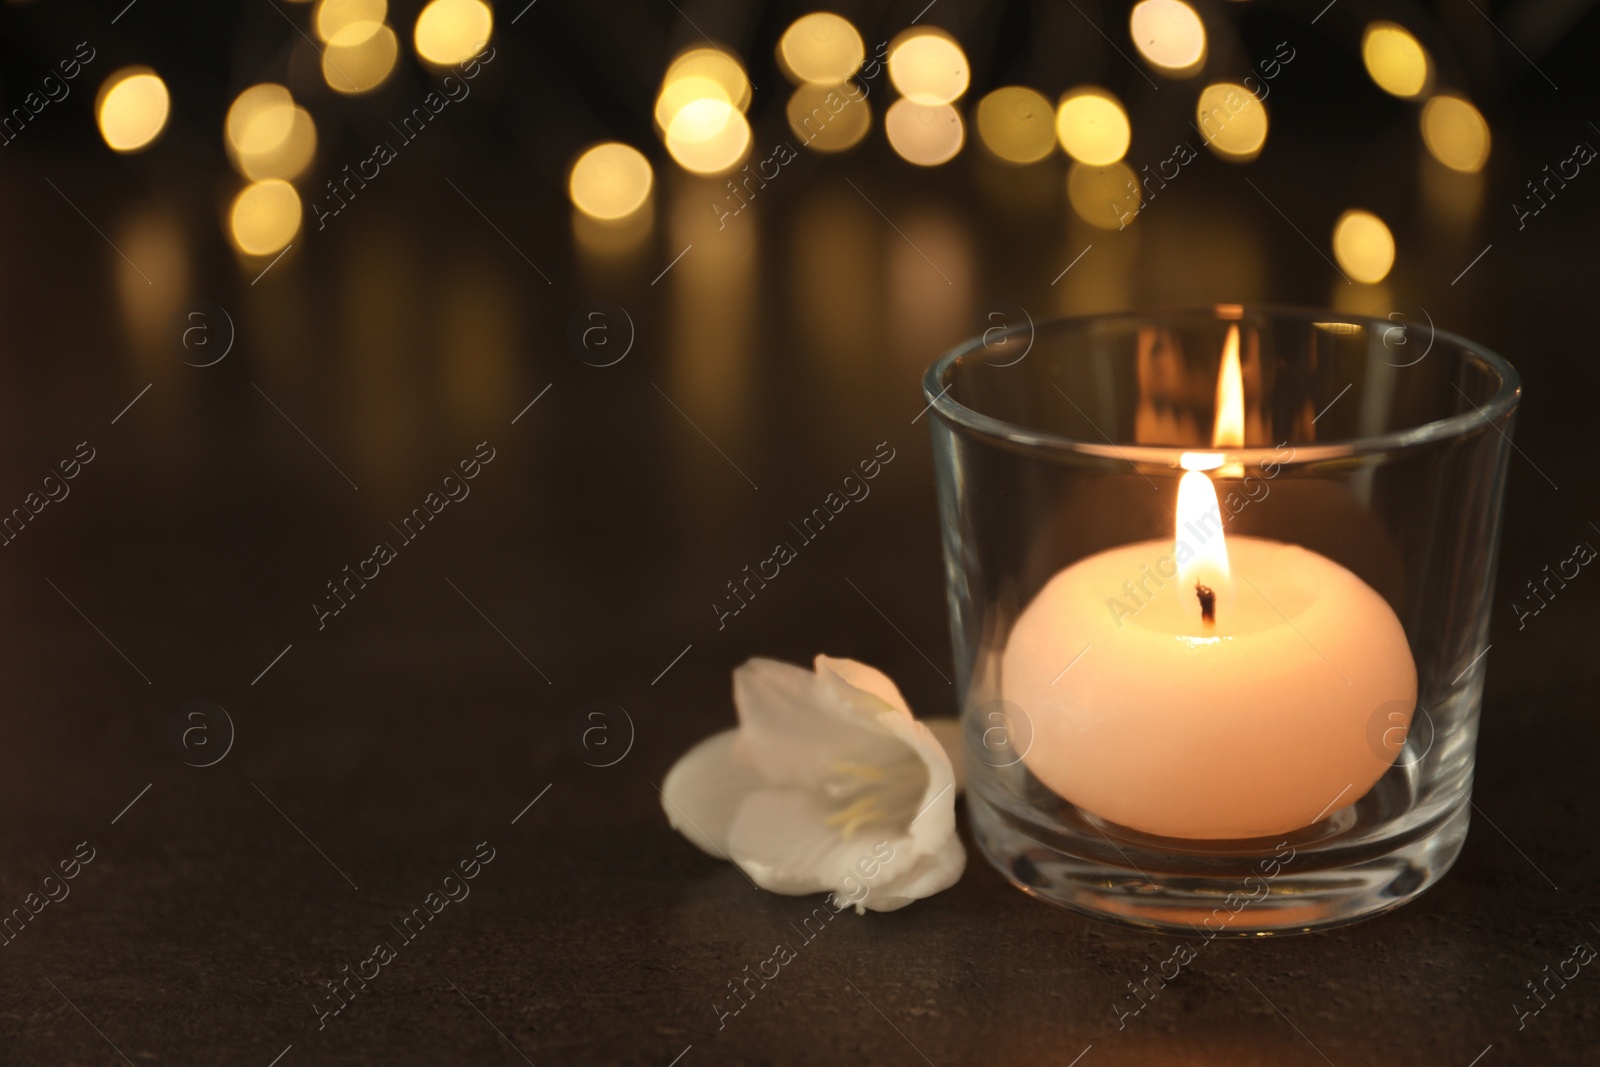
(1208, 602)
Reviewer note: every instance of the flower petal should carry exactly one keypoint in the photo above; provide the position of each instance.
(796, 727)
(782, 840)
(932, 819)
(934, 816)
(703, 791)
(861, 676)
(930, 874)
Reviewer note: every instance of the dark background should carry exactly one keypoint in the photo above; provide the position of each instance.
(429, 713)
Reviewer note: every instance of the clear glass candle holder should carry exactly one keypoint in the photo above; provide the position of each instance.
(1244, 706)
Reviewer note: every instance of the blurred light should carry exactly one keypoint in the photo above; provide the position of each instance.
(453, 31)
(259, 119)
(1232, 120)
(610, 181)
(132, 108)
(828, 118)
(150, 302)
(1363, 246)
(609, 248)
(1017, 124)
(1395, 59)
(923, 305)
(708, 136)
(359, 58)
(1107, 197)
(1092, 126)
(480, 344)
(363, 17)
(679, 92)
(288, 158)
(1456, 133)
(700, 74)
(264, 217)
(1169, 35)
(821, 49)
(924, 134)
(1451, 199)
(928, 66)
(267, 136)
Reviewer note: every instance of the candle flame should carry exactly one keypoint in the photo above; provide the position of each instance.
(1201, 548)
(1229, 429)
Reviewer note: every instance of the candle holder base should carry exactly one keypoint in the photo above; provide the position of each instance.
(1317, 878)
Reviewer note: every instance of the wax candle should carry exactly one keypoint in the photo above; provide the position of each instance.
(1210, 686)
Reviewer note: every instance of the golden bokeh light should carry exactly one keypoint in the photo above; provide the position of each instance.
(928, 66)
(679, 92)
(1017, 124)
(358, 19)
(829, 118)
(610, 181)
(132, 108)
(1170, 36)
(453, 31)
(259, 119)
(924, 134)
(287, 159)
(708, 136)
(1092, 126)
(1396, 60)
(1107, 197)
(1363, 246)
(360, 58)
(267, 136)
(1232, 120)
(700, 74)
(820, 49)
(265, 217)
(1456, 133)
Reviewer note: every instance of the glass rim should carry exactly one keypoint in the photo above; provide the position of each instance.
(1505, 400)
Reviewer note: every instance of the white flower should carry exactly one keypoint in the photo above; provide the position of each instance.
(826, 775)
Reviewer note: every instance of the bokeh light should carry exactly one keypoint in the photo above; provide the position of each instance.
(259, 119)
(1456, 133)
(928, 66)
(708, 136)
(360, 58)
(700, 74)
(453, 31)
(1092, 126)
(1017, 124)
(287, 159)
(820, 49)
(610, 181)
(1169, 34)
(1363, 246)
(1107, 197)
(361, 17)
(924, 134)
(1232, 120)
(132, 108)
(267, 136)
(265, 217)
(1396, 60)
(827, 118)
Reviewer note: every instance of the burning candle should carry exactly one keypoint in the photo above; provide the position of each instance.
(1208, 687)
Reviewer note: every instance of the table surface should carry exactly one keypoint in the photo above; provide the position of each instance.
(442, 706)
